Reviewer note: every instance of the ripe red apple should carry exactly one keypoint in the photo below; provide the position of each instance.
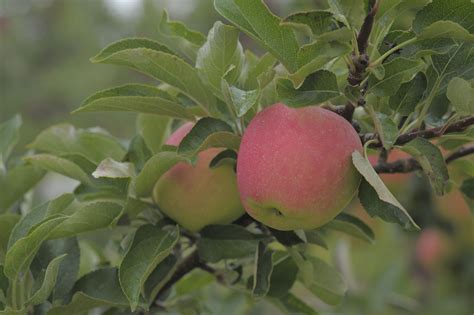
(196, 196)
(294, 169)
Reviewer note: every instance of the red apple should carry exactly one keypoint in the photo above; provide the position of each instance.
(294, 169)
(196, 196)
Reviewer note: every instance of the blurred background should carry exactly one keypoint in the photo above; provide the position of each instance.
(45, 73)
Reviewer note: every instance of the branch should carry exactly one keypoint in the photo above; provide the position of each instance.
(410, 165)
(360, 59)
(458, 126)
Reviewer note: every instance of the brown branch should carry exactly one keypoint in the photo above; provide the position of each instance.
(458, 126)
(410, 165)
(366, 29)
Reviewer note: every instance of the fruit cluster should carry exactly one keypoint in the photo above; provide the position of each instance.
(294, 171)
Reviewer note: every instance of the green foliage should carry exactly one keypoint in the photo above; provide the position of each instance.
(410, 80)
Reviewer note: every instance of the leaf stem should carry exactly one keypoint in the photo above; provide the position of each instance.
(379, 61)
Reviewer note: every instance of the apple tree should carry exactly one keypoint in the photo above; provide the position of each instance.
(241, 162)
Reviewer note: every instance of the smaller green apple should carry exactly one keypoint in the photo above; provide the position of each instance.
(196, 196)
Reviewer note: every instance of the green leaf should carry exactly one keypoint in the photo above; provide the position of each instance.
(159, 277)
(96, 289)
(65, 139)
(353, 226)
(262, 270)
(60, 165)
(326, 282)
(467, 188)
(459, 11)
(316, 22)
(38, 214)
(255, 19)
(257, 72)
(110, 168)
(207, 133)
(349, 12)
(283, 277)
(292, 304)
(315, 56)
(136, 98)
(445, 29)
(48, 283)
(319, 87)
(9, 135)
(241, 101)
(153, 169)
(17, 182)
(179, 38)
(387, 130)
(160, 65)
(461, 94)
(224, 157)
(397, 71)
(154, 130)
(88, 217)
(221, 50)
(7, 223)
(68, 269)
(22, 252)
(314, 237)
(459, 62)
(431, 160)
(192, 282)
(150, 246)
(226, 242)
(408, 95)
(376, 199)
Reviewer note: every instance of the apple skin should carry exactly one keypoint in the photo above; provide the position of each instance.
(196, 196)
(294, 169)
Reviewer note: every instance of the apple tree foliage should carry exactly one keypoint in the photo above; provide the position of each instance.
(105, 244)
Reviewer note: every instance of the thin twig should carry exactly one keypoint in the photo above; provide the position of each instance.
(410, 165)
(458, 126)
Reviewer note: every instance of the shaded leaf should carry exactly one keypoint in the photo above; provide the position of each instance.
(154, 130)
(98, 288)
(60, 165)
(150, 246)
(262, 270)
(88, 217)
(9, 135)
(353, 226)
(317, 88)
(226, 241)
(350, 12)
(461, 94)
(431, 160)
(459, 11)
(397, 71)
(208, 132)
(224, 157)
(326, 283)
(294, 305)
(7, 223)
(377, 199)
(159, 277)
(22, 252)
(318, 22)
(49, 281)
(68, 269)
(17, 182)
(282, 277)
(240, 100)
(408, 95)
